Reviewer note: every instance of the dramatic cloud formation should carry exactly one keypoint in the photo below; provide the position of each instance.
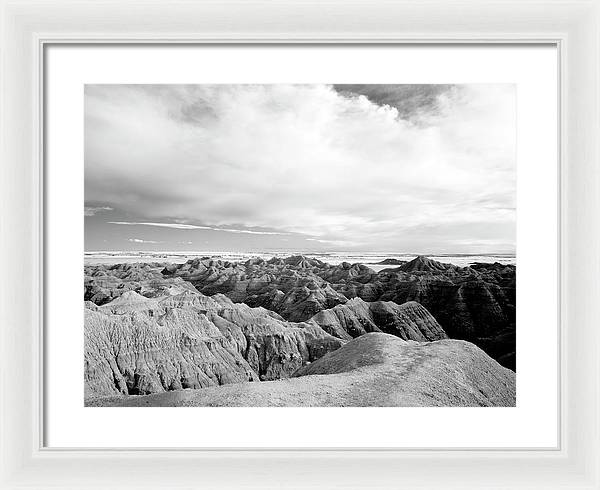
(426, 168)
(411, 101)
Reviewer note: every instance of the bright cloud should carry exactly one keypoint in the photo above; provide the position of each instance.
(139, 240)
(345, 166)
(181, 226)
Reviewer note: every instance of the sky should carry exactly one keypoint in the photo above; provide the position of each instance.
(367, 168)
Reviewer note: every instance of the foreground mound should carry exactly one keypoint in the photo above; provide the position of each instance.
(375, 369)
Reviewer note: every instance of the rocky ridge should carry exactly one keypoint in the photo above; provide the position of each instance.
(139, 345)
(375, 369)
(356, 317)
(475, 303)
(156, 327)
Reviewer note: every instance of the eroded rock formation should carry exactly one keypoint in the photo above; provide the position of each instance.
(474, 303)
(234, 329)
(140, 345)
(375, 369)
(409, 321)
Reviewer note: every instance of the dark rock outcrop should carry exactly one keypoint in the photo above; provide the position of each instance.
(475, 303)
(424, 264)
(287, 286)
(409, 321)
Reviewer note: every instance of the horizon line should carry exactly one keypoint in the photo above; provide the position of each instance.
(180, 252)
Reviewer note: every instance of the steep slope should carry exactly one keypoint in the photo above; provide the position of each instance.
(475, 303)
(470, 303)
(424, 264)
(409, 321)
(104, 283)
(287, 286)
(375, 369)
(139, 345)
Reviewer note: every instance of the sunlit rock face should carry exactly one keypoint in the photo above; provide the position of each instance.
(372, 370)
(138, 345)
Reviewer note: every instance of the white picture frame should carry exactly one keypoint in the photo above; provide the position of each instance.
(573, 26)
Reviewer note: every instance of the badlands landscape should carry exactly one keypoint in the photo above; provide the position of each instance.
(297, 331)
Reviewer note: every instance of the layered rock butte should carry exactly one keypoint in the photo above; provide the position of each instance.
(155, 328)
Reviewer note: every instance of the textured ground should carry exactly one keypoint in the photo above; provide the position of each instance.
(299, 332)
(136, 345)
(375, 369)
(475, 303)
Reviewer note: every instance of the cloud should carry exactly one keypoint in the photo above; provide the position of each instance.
(92, 211)
(337, 243)
(138, 240)
(360, 165)
(412, 102)
(178, 226)
(182, 226)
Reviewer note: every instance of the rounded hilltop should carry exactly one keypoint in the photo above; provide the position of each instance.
(422, 263)
(373, 370)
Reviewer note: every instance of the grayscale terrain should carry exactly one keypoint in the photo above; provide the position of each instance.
(297, 332)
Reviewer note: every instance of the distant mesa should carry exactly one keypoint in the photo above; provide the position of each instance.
(391, 262)
(302, 262)
(425, 264)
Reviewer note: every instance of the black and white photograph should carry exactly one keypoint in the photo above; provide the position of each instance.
(300, 245)
(323, 245)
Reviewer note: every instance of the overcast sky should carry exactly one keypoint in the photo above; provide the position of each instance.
(398, 168)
